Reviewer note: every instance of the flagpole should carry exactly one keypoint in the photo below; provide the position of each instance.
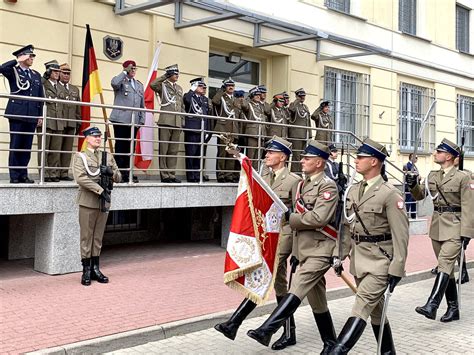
(106, 121)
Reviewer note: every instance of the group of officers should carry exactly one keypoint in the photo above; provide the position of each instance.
(374, 236)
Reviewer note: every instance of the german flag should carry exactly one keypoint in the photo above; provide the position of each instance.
(90, 83)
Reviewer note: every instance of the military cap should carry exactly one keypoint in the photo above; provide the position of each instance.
(370, 148)
(65, 67)
(278, 97)
(300, 92)
(128, 62)
(91, 131)
(172, 70)
(228, 82)
(316, 149)
(262, 89)
(198, 81)
(254, 91)
(324, 104)
(285, 95)
(239, 93)
(25, 50)
(52, 65)
(332, 147)
(278, 144)
(449, 147)
(204, 85)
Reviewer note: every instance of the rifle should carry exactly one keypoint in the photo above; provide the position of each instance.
(461, 155)
(106, 181)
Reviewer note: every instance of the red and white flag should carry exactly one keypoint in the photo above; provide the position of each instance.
(144, 141)
(252, 250)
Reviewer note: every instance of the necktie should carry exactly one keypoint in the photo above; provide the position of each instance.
(55, 86)
(441, 174)
(362, 189)
(272, 178)
(27, 72)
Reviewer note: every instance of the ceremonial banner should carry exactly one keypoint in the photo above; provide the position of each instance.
(252, 250)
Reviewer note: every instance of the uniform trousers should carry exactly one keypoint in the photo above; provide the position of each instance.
(370, 298)
(297, 147)
(122, 147)
(253, 151)
(281, 283)
(193, 149)
(92, 223)
(167, 135)
(226, 165)
(66, 146)
(20, 141)
(447, 253)
(52, 160)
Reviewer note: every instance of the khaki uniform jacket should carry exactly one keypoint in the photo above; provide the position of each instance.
(320, 198)
(278, 115)
(70, 112)
(169, 93)
(382, 210)
(53, 110)
(299, 117)
(254, 112)
(89, 188)
(322, 120)
(458, 189)
(267, 110)
(224, 107)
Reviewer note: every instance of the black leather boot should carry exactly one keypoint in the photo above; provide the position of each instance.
(388, 347)
(431, 306)
(230, 328)
(348, 336)
(288, 305)
(326, 330)
(464, 274)
(96, 274)
(452, 313)
(285, 341)
(86, 272)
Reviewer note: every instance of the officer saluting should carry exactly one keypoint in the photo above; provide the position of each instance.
(299, 117)
(90, 174)
(378, 226)
(323, 119)
(452, 225)
(23, 115)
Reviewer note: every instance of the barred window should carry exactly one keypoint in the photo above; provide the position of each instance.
(339, 5)
(465, 123)
(348, 94)
(462, 29)
(414, 104)
(407, 16)
(126, 220)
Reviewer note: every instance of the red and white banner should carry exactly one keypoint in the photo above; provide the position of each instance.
(144, 144)
(252, 250)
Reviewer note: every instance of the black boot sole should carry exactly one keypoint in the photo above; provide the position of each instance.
(280, 345)
(221, 329)
(262, 340)
(450, 319)
(85, 283)
(428, 315)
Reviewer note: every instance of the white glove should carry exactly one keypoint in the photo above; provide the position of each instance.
(194, 86)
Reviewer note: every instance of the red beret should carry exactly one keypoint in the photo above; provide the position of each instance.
(128, 62)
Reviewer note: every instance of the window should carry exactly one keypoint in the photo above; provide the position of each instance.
(462, 29)
(407, 16)
(127, 220)
(339, 5)
(414, 104)
(348, 94)
(465, 123)
(245, 71)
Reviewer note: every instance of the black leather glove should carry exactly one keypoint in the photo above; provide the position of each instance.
(411, 179)
(106, 170)
(465, 242)
(336, 264)
(393, 281)
(105, 195)
(287, 215)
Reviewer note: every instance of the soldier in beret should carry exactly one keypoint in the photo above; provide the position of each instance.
(452, 225)
(323, 119)
(23, 116)
(128, 91)
(314, 200)
(377, 240)
(299, 116)
(171, 96)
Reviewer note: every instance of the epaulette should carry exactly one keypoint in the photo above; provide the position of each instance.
(35, 72)
(295, 176)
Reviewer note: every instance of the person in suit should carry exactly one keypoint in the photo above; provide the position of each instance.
(315, 201)
(332, 166)
(23, 115)
(54, 125)
(209, 108)
(87, 170)
(129, 92)
(171, 96)
(377, 241)
(299, 116)
(323, 119)
(72, 118)
(452, 225)
(283, 183)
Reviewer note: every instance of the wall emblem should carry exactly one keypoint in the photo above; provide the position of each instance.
(113, 47)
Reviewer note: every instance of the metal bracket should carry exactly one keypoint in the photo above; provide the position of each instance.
(179, 23)
(121, 10)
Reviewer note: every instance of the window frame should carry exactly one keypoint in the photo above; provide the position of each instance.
(402, 4)
(461, 101)
(465, 49)
(334, 5)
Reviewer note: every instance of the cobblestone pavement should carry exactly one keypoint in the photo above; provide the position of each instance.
(413, 333)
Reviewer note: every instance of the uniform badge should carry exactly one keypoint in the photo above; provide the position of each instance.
(400, 205)
(327, 195)
(113, 47)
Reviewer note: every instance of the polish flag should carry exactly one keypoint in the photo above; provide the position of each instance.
(252, 250)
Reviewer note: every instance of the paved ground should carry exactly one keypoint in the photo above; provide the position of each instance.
(413, 333)
(151, 284)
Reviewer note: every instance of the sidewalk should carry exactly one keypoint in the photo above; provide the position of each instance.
(151, 284)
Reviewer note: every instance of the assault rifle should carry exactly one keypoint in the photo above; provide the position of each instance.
(106, 181)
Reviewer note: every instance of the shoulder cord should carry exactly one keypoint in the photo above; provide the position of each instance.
(169, 99)
(298, 111)
(196, 107)
(321, 120)
(89, 172)
(22, 86)
(350, 218)
(257, 118)
(274, 118)
(229, 113)
(428, 192)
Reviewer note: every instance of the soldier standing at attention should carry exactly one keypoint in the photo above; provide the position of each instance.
(323, 119)
(72, 118)
(207, 107)
(223, 103)
(283, 183)
(315, 200)
(171, 95)
(452, 225)
(267, 109)
(23, 116)
(129, 92)
(378, 243)
(299, 116)
(87, 170)
(278, 115)
(54, 124)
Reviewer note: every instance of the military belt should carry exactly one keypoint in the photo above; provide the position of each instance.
(371, 238)
(442, 209)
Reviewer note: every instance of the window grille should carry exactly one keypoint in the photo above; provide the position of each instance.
(462, 29)
(465, 123)
(407, 16)
(127, 220)
(339, 5)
